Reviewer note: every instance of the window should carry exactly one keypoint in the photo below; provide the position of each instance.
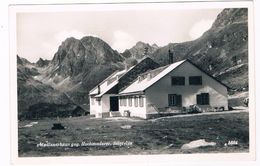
(125, 101)
(98, 100)
(178, 80)
(203, 99)
(141, 101)
(175, 100)
(111, 80)
(92, 101)
(136, 101)
(130, 101)
(195, 80)
(121, 101)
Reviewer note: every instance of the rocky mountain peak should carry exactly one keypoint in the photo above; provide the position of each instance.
(79, 65)
(155, 46)
(42, 63)
(22, 61)
(76, 56)
(230, 16)
(141, 44)
(222, 51)
(91, 39)
(139, 50)
(19, 60)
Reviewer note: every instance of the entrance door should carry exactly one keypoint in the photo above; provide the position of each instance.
(114, 103)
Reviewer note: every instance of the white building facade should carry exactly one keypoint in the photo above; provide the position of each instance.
(167, 89)
(176, 87)
(104, 98)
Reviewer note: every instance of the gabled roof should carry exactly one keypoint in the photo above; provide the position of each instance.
(114, 79)
(138, 85)
(147, 79)
(106, 89)
(108, 83)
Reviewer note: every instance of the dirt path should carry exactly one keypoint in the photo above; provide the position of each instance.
(242, 109)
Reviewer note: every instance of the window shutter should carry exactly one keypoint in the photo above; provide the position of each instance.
(206, 98)
(199, 99)
(179, 100)
(174, 100)
(203, 99)
(169, 100)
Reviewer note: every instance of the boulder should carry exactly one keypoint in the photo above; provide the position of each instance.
(197, 144)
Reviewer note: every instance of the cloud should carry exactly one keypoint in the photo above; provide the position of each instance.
(199, 28)
(122, 40)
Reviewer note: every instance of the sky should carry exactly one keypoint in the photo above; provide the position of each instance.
(40, 34)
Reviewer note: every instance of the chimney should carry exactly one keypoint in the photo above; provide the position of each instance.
(145, 51)
(149, 76)
(170, 54)
(127, 66)
(98, 89)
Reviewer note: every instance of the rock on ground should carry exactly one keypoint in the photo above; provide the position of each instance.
(197, 144)
(126, 127)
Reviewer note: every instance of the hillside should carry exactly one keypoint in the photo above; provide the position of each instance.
(61, 85)
(76, 67)
(34, 95)
(221, 51)
(79, 65)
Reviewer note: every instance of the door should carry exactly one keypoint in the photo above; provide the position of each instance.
(114, 103)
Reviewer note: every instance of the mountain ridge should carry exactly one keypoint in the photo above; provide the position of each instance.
(222, 47)
(139, 50)
(80, 64)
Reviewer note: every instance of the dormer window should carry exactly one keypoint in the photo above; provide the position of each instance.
(139, 78)
(149, 76)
